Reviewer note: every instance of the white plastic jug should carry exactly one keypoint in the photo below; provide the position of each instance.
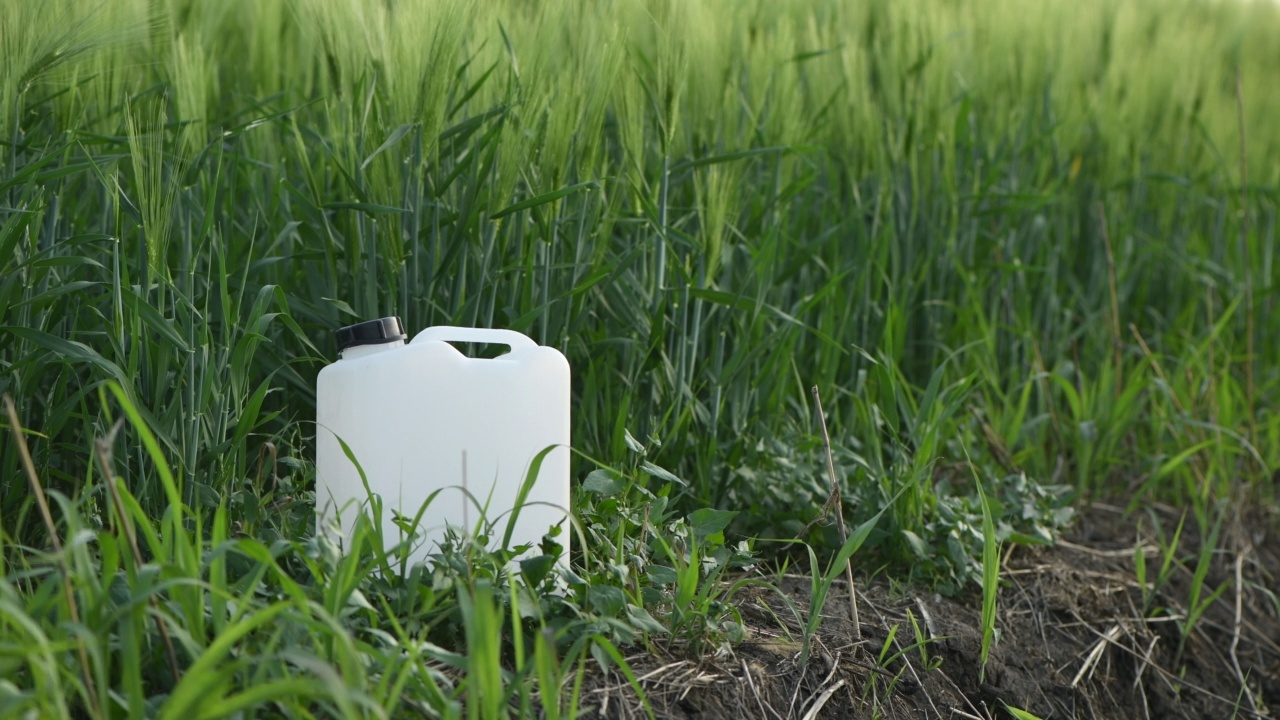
(423, 417)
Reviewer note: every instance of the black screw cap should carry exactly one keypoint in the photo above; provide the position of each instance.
(373, 332)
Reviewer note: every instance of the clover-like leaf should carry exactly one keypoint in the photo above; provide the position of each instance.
(603, 482)
(707, 522)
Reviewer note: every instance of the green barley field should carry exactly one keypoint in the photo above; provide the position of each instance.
(1025, 251)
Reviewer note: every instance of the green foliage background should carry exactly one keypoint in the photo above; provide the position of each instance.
(1015, 229)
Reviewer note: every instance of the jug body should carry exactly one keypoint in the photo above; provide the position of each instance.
(445, 439)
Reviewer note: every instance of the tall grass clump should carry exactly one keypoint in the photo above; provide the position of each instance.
(118, 614)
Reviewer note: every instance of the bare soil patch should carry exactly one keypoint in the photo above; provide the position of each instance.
(1075, 640)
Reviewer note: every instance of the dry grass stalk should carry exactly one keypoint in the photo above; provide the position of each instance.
(37, 489)
(1116, 346)
(1248, 266)
(102, 448)
(834, 500)
(1235, 632)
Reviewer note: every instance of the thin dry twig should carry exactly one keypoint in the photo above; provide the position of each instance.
(839, 508)
(102, 447)
(955, 689)
(931, 630)
(1171, 678)
(795, 694)
(1142, 695)
(1146, 660)
(1095, 654)
(1148, 550)
(995, 444)
(1116, 346)
(831, 673)
(43, 503)
(1248, 266)
(746, 670)
(822, 700)
(661, 670)
(1235, 630)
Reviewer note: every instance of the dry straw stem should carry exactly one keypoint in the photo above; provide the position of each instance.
(1091, 660)
(1115, 302)
(834, 663)
(1245, 259)
(751, 682)
(38, 491)
(1174, 679)
(821, 702)
(1235, 632)
(102, 447)
(834, 500)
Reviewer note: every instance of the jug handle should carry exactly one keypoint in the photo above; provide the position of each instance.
(449, 333)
